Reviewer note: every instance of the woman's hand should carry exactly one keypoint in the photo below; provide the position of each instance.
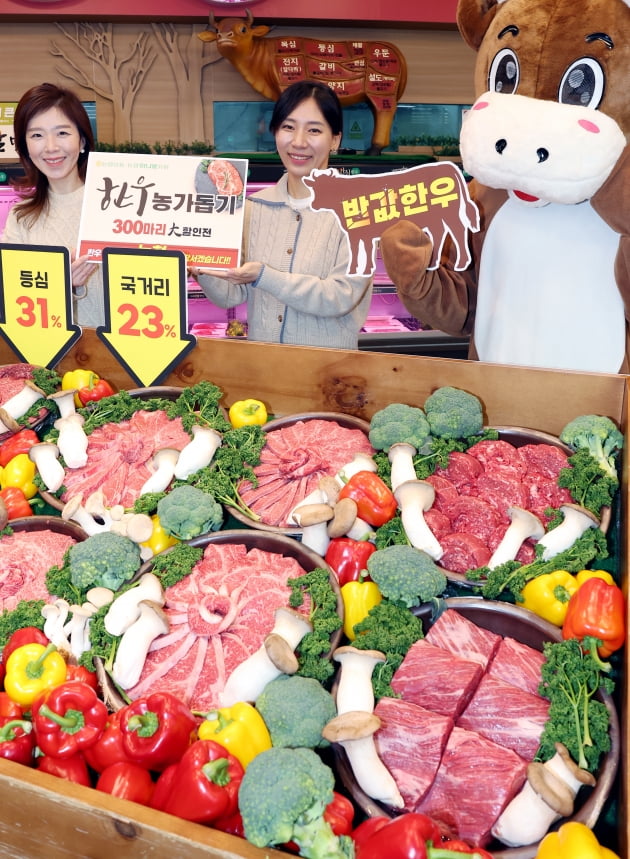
(81, 270)
(246, 273)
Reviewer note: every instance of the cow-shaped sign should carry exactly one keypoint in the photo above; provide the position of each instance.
(434, 196)
(358, 71)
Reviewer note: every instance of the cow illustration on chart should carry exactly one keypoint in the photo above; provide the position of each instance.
(359, 71)
(434, 196)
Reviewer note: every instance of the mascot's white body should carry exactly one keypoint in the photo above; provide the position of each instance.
(546, 144)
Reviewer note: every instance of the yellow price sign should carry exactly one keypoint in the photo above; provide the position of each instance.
(146, 311)
(36, 302)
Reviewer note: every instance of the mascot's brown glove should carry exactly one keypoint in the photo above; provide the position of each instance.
(406, 251)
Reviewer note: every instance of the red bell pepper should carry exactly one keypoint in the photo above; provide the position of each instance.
(68, 719)
(375, 501)
(204, 786)
(233, 825)
(73, 768)
(19, 442)
(108, 749)
(156, 730)
(348, 558)
(404, 837)
(96, 390)
(15, 502)
(17, 742)
(83, 675)
(597, 609)
(127, 781)
(24, 635)
(339, 813)
(9, 709)
(163, 787)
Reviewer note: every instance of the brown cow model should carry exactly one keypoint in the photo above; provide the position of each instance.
(375, 72)
(433, 196)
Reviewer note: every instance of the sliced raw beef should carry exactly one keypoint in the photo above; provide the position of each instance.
(436, 679)
(12, 378)
(25, 558)
(294, 459)
(119, 456)
(412, 764)
(455, 633)
(544, 459)
(475, 781)
(498, 456)
(219, 615)
(518, 664)
(462, 470)
(507, 715)
(463, 552)
(439, 523)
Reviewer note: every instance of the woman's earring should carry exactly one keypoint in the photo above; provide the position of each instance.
(82, 151)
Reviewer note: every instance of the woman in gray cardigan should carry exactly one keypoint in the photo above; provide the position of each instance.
(293, 277)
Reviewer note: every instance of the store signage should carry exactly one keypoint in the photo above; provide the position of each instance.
(164, 202)
(36, 303)
(7, 140)
(146, 311)
(434, 196)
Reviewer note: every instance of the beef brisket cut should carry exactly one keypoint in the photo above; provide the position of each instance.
(474, 783)
(507, 715)
(518, 664)
(436, 679)
(413, 764)
(219, 615)
(455, 633)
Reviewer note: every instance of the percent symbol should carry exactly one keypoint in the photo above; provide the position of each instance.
(170, 331)
(56, 321)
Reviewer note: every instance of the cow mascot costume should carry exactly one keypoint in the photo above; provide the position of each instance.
(545, 143)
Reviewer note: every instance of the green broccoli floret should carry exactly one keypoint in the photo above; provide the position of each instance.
(295, 710)
(188, 512)
(105, 559)
(282, 798)
(453, 413)
(398, 423)
(597, 434)
(406, 575)
(26, 613)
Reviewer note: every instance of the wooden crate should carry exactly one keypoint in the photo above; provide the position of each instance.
(43, 816)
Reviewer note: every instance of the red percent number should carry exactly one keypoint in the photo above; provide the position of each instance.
(35, 312)
(144, 322)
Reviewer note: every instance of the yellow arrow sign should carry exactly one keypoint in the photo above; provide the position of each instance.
(146, 311)
(36, 303)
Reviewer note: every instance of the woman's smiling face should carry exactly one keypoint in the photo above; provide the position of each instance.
(304, 141)
(54, 144)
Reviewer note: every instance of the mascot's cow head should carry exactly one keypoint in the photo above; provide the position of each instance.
(552, 111)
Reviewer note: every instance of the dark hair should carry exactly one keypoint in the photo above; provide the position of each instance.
(34, 101)
(326, 98)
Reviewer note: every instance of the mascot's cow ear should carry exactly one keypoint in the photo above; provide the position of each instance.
(473, 19)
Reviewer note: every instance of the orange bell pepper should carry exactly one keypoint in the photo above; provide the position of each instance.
(597, 609)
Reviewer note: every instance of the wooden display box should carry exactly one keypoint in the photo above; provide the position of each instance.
(44, 816)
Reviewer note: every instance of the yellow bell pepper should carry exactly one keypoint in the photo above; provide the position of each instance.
(159, 539)
(247, 412)
(32, 669)
(77, 379)
(20, 472)
(573, 841)
(358, 598)
(239, 728)
(548, 595)
(585, 575)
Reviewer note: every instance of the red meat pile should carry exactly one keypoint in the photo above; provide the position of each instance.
(469, 720)
(25, 558)
(472, 495)
(219, 615)
(294, 459)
